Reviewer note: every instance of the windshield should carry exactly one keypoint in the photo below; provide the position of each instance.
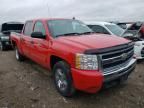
(115, 29)
(67, 27)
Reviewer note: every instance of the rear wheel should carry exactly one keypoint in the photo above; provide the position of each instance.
(63, 79)
(19, 57)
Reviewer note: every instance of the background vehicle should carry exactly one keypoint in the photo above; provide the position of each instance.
(6, 29)
(142, 32)
(78, 58)
(113, 29)
(123, 25)
(135, 29)
(126, 25)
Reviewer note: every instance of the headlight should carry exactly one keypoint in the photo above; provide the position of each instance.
(86, 62)
(5, 37)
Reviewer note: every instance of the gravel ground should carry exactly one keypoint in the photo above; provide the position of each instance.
(28, 85)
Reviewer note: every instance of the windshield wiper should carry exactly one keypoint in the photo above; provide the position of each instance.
(67, 34)
(85, 33)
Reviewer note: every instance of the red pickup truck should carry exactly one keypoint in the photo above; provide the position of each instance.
(78, 58)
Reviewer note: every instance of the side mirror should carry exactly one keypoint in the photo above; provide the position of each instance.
(38, 35)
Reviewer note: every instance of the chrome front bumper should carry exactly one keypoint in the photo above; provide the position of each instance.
(126, 70)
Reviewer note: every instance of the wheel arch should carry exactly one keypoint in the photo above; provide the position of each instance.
(54, 59)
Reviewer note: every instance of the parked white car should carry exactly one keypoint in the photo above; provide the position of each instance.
(113, 29)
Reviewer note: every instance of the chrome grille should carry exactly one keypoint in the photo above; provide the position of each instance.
(116, 59)
(113, 58)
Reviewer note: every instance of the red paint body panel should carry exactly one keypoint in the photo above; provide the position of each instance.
(65, 48)
(88, 81)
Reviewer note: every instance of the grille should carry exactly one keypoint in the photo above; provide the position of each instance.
(117, 59)
(114, 58)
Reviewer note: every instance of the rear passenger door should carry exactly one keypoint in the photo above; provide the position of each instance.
(26, 38)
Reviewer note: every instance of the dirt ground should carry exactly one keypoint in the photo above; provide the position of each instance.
(27, 85)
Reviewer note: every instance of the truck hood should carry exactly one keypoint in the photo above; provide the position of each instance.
(93, 41)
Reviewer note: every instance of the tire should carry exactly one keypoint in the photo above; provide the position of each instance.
(2, 47)
(18, 56)
(63, 79)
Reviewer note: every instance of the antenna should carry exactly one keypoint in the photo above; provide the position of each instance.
(48, 8)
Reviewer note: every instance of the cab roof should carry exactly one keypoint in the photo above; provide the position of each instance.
(46, 19)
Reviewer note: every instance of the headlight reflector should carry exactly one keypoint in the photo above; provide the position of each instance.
(86, 62)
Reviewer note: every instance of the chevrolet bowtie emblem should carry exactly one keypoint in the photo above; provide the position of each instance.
(124, 56)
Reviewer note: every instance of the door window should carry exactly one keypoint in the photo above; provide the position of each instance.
(39, 28)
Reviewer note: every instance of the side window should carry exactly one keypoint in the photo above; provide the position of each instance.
(99, 29)
(28, 28)
(39, 28)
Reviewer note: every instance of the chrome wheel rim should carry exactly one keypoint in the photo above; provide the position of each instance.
(17, 55)
(61, 81)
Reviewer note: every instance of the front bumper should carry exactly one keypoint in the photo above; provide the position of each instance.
(88, 81)
(93, 81)
(119, 75)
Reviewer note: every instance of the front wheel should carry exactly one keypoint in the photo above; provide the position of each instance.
(63, 79)
(19, 57)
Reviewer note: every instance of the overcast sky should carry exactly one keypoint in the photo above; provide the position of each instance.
(86, 10)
